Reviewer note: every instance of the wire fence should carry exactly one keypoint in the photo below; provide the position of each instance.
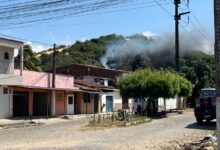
(121, 115)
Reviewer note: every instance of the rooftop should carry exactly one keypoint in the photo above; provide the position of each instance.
(79, 70)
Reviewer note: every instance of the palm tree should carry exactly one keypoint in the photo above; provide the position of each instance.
(31, 62)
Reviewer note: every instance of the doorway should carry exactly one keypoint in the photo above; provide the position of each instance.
(109, 103)
(41, 104)
(20, 104)
(70, 104)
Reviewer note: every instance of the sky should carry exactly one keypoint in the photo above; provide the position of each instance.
(147, 18)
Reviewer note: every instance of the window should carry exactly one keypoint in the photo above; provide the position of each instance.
(86, 98)
(70, 100)
(5, 90)
(6, 56)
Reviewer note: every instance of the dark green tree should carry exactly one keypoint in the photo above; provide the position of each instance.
(31, 62)
(153, 84)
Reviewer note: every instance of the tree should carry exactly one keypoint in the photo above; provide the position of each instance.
(200, 70)
(30, 61)
(152, 84)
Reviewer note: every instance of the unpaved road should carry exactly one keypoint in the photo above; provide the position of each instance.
(158, 134)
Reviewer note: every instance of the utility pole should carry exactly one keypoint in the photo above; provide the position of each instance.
(54, 63)
(53, 84)
(177, 17)
(217, 63)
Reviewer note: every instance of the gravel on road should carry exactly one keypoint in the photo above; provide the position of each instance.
(156, 135)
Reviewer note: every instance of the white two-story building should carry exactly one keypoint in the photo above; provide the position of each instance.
(7, 77)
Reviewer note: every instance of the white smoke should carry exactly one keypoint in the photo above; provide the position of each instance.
(146, 45)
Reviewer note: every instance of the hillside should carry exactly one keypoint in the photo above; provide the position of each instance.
(87, 52)
(134, 52)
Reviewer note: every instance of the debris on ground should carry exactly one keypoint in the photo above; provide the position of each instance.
(21, 125)
(207, 143)
(65, 117)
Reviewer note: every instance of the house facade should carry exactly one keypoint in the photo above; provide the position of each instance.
(30, 93)
(36, 97)
(79, 89)
(7, 77)
(100, 92)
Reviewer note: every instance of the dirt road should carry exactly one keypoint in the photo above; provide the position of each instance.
(158, 134)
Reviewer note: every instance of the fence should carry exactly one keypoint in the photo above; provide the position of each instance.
(113, 116)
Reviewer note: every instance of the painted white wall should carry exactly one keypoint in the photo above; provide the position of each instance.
(171, 103)
(7, 76)
(6, 104)
(10, 80)
(105, 82)
(6, 66)
(118, 98)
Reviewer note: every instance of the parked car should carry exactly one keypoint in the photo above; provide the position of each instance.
(205, 108)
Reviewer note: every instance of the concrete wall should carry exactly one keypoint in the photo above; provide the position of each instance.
(6, 103)
(118, 101)
(10, 79)
(6, 66)
(171, 103)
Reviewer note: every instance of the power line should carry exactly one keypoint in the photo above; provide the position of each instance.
(202, 26)
(71, 13)
(205, 34)
(106, 12)
(165, 10)
(41, 10)
(161, 6)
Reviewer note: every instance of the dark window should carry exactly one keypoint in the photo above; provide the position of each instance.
(86, 98)
(111, 83)
(70, 100)
(5, 91)
(6, 56)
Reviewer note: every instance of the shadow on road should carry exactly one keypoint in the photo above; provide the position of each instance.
(203, 126)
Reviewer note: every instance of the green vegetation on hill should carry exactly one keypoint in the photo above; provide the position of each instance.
(196, 66)
(88, 52)
(30, 61)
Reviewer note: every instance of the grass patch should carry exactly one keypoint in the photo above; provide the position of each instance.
(110, 123)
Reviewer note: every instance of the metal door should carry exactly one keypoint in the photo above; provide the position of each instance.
(109, 103)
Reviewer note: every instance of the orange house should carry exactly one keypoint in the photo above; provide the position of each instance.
(36, 97)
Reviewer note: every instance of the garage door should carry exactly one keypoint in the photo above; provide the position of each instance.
(20, 104)
(41, 104)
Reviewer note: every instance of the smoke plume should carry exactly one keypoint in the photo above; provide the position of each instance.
(140, 50)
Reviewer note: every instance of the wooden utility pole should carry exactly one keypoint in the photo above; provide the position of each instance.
(217, 62)
(177, 17)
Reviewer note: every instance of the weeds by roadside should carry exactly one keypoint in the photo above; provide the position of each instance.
(105, 121)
